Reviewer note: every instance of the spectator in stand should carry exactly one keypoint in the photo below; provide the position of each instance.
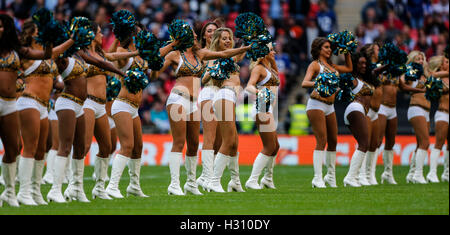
(393, 22)
(381, 8)
(441, 7)
(416, 13)
(312, 32)
(401, 9)
(326, 19)
(144, 14)
(424, 44)
(299, 9)
(434, 25)
(284, 64)
(186, 14)
(251, 6)
(159, 117)
(408, 40)
(360, 33)
(372, 32)
(64, 8)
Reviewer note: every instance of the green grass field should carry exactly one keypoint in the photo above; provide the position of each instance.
(294, 196)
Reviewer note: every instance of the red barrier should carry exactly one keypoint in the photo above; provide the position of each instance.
(294, 150)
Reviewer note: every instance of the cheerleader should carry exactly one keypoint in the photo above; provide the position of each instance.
(124, 111)
(53, 135)
(95, 114)
(388, 120)
(224, 104)
(355, 118)
(71, 122)
(438, 66)
(264, 78)
(320, 110)
(33, 114)
(368, 169)
(211, 135)
(182, 109)
(418, 115)
(10, 50)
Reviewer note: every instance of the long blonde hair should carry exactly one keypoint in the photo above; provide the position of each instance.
(412, 56)
(214, 46)
(435, 63)
(258, 61)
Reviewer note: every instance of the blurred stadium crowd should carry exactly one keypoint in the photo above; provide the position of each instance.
(411, 24)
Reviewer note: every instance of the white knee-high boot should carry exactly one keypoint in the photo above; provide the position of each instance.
(412, 169)
(330, 161)
(24, 196)
(260, 162)
(388, 159)
(9, 178)
(75, 190)
(432, 175)
(36, 180)
(235, 182)
(220, 163)
(208, 167)
(191, 185)
(68, 169)
(267, 180)
(445, 174)
(174, 167)
(119, 164)
(134, 169)
(369, 161)
(355, 165)
(418, 178)
(318, 157)
(100, 169)
(48, 176)
(362, 177)
(59, 172)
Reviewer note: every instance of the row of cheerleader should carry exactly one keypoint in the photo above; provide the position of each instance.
(369, 82)
(59, 89)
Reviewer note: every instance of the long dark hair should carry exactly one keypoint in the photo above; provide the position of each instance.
(98, 48)
(202, 33)
(368, 76)
(9, 40)
(26, 36)
(316, 47)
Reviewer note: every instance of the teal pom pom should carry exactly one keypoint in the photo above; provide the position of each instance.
(343, 42)
(264, 98)
(123, 23)
(434, 88)
(81, 31)
(326, 84)
(394, 57)
(42, 17)
(113, 87)
(222, 68)
(49, 30)
(181, 31)
(413, 72)
(135, 81)
(259, 46)
(250, 27)
(345, 93)
(148, 46)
